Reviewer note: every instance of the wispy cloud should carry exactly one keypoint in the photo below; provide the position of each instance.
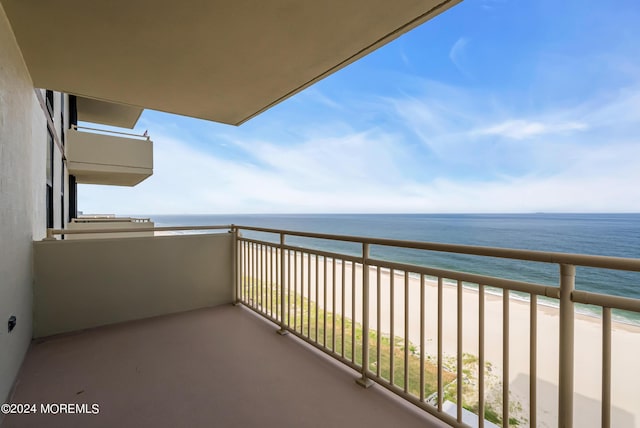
(522, 129)
(366, 172)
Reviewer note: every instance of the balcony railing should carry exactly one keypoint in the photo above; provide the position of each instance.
(444, 340)
(98, 156)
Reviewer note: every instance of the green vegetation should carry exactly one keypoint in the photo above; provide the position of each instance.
(302, 318)
(493, 391)
(301, 315)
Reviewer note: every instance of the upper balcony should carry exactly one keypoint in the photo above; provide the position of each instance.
(144, 328)
(107, 157)
(131, 226)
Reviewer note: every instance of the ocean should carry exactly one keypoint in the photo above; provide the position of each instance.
(599, 234)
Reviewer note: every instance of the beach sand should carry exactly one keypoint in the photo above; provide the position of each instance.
(588, 337)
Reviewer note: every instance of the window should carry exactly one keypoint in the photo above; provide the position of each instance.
(49, 101)
(49, 178)
(62, 128)
(62, 194)
(73, 111)
(73, 198)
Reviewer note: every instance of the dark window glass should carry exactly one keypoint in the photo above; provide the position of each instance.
(49, 100)
(49, 206)
(62, 195)
(62, 128)
(73, 198)
(49, 158)
(49, 200)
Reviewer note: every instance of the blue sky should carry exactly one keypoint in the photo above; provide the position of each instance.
(493, 106)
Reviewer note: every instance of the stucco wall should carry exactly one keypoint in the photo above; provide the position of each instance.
(87, 283)
(22, 200)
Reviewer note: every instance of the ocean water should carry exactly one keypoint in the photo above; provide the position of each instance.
(598, 234)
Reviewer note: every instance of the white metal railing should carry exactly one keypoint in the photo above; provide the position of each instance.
(144, 136)
(288, 285)
(52, 233)
(359, 310)
(109, 219)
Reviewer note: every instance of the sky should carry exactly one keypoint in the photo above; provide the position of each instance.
(495, 106)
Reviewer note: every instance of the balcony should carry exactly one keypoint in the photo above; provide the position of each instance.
(217, 366)
(104, 157)
(144, 328)
(133, 227)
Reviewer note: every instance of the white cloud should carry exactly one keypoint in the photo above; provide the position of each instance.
(364, 175)
(522, 129)
(374, 170)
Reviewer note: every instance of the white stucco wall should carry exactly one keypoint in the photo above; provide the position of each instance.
(81, 284)
(22, 201)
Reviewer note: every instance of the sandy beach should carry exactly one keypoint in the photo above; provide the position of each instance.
(588, 337)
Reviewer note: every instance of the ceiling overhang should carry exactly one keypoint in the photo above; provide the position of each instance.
(225, 61)
(107, 113)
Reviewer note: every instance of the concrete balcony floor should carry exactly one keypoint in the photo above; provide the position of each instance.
(221, 366)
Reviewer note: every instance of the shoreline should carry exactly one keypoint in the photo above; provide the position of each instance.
(542, 301)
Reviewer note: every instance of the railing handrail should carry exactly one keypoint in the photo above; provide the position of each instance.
(107, 131)
(110, 220)
(605, 262)
(52, 232)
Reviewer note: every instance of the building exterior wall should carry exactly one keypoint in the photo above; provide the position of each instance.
(81, 284)
(22, 201)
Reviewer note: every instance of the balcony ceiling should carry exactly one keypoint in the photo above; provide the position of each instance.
(106, 113)
(225, 61)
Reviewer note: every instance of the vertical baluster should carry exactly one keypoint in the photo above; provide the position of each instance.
(247, 272)
(459, 350)
(481, 356)
(270, 254)
(288, 287)
(253, 275)
(317, 298)
(243, 273)
(333, 306)
(324, 304)
(295, 290)
(302, 290)
(378, 310)
(533, 357)
(422, 337)
(406, 331)
(309, 295)
(281, 254)
(505, 357)
(344, 266)
(262, 278)
(392, 345)
(440, 386)
(606, 367)
(353, 312)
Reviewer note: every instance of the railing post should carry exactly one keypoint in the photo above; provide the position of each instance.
(283, 321)
(364, 381)
(566, 369)
(50, 236)
(236, 265)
